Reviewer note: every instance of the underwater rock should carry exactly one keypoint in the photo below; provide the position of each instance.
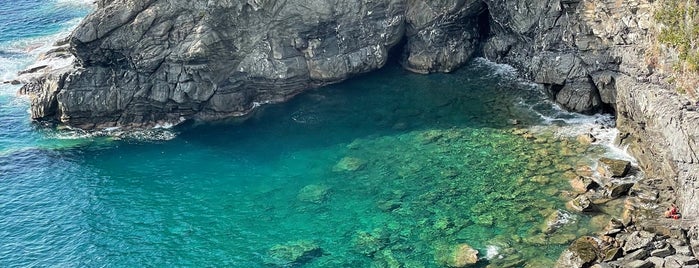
(294, 253)
(581, 253)
(554, 221)
(461, 255)
(349, 164)
(613, 167)
(314, 193)
(369, 243)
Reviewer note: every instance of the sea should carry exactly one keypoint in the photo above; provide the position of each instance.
(387, 169)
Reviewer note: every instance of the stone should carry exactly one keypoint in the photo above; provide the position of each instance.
(582, 184)
(657, 262)
(461, 255)
(639, 264)
(683, 250)
(293, 254)
(349, 164)
(613, 167)
(662, 252)
(586, 139)
(581, 253)
(314, 193)
(620, 189)
(582, 203)
(680, 261)
(612, 254)
(635, 241)
(639, 254)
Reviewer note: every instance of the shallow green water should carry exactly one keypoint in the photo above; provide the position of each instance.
(390, 169)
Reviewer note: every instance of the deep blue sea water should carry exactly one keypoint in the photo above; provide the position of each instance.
(390, 169)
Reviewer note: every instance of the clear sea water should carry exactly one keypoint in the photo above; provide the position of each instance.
(390, 169)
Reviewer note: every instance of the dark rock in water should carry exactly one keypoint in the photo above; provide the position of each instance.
(583, 252)
(613, 167)
(292, 254)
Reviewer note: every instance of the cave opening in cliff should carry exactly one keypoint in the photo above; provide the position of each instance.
(484, 25)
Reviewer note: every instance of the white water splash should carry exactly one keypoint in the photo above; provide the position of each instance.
(492, 252)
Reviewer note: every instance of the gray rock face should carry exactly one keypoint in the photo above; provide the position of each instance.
(145, 62)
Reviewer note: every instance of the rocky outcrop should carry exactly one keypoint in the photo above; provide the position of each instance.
(147, 62)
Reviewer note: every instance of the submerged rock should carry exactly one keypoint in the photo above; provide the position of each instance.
(294, 253)
(461, 255)
(349, 164)
(314, 193)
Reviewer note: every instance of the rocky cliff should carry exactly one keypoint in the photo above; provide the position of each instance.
(144, 62)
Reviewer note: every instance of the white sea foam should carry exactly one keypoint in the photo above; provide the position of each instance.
(116, 133)
(492, 252)
(498, 69)
(77, 3)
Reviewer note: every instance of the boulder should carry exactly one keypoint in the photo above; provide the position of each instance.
(461, 255)
(613, 167)
(582, 184)
(586, 139)
(582, 203)
(314, 193)
(583, 252)
(293, 254)
(619, 189)
(636, 241)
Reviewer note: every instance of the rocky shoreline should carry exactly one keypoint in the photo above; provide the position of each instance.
(142, 63)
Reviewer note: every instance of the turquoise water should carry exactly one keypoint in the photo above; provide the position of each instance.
(390, 169)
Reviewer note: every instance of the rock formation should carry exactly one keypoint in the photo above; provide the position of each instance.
(145, 62)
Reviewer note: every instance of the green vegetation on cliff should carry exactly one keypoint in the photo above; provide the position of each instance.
(678, 29)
